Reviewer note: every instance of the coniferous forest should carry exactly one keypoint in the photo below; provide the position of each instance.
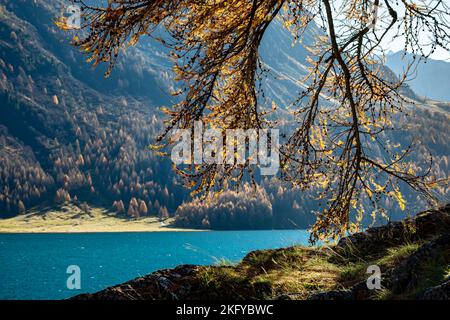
(69, 135)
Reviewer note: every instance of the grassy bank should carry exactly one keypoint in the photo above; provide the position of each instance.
(299, 273)
(71, 219)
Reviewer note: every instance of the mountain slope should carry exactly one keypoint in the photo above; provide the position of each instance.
(430, 77)
(68, 134)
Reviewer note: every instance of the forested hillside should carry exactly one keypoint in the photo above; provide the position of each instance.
(69, 134)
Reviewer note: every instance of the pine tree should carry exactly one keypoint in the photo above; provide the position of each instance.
(21, 207)
(143, 208)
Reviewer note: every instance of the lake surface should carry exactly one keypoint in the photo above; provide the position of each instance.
(33, 266)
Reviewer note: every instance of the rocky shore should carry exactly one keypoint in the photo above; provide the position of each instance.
(413, 256)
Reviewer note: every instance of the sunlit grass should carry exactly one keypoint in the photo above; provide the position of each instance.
(397, 254)
(302, 271)
(71, 219)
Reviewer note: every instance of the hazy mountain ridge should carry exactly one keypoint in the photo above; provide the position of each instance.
(429, 78)
(68, 133)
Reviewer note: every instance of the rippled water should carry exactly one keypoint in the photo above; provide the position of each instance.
(33, 266)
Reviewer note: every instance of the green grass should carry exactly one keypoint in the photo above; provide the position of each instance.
(397, 254)
(70, 218)
(297, 270)
(433, 272)
(302, 271)
(352, 272)
(222, 262)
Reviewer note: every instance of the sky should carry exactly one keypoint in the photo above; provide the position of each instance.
(384, 19)
(399, 44)
(440, 54)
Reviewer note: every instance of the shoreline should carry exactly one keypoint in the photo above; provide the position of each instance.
(147, 225)
(413, 255)
(71, 220)
(162, 230)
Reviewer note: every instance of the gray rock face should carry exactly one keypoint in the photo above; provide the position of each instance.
(440, 292)
(406, 276)
(434, 224)
(359, 291)
(171, 284)
(333, 295)
(423, 226)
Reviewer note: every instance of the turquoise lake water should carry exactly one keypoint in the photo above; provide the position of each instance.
(33, 266)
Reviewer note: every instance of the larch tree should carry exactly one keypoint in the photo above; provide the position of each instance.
(216, 59)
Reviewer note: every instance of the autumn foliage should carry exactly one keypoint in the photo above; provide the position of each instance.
(338, 146)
